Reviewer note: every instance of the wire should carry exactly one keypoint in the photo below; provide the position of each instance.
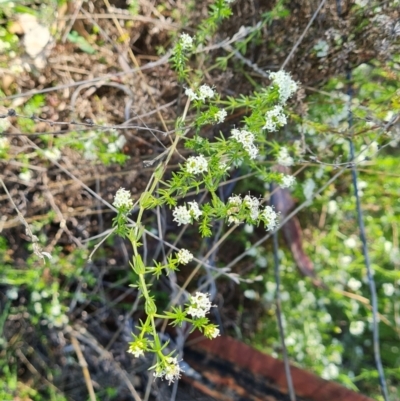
(363, 238)
(292, 393)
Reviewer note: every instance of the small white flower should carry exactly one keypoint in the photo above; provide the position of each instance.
(205, 92)
(271, 218)
(285, 84)
(249, 229)
(252, 151)
(388, 289)
(200, 305)
(182, 215)
(195, 212)
(123, 200)
(357, 327)
(186, 41)
(55, 309)
(117, 145)
(332, 207)
(285, 296)
(361, 185)
(274, 119)
(233, 220)
(298, 148)
(308, 189)
(12, 293)
(235, 200)
(120, 142)
(90, 149)
(4, 46)
(60, 321)
(330, 372)
(112, 148)
(196, 164)
(234, 204)
(135, 350)
(350, 242)
(52, 154)
(223, 166)
(3, 142)
(38, 308)
(25, 176)
(287, 181)
(322, 48)
(211, 331)
(16, 68)
(4, 125)
(283, 158)
(35, 296)
(253, 204)
(220, 116)
(184, 256)
(354, 284)
(345, 260)
(191, 94)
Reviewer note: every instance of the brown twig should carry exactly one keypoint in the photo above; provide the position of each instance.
(84, 366)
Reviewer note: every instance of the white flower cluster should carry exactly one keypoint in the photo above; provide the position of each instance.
(283, 158)
(170, 369)
(123, 200)
(184, 215)
(234, 203)
(203, 93)
(200, 305)
(184, 256)
(271, 218)
(196, 164)
(252, 205)
(246, 138)
(186, 41)
(275, 119)
(285, 84)
(220, 116)
(287, 181)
